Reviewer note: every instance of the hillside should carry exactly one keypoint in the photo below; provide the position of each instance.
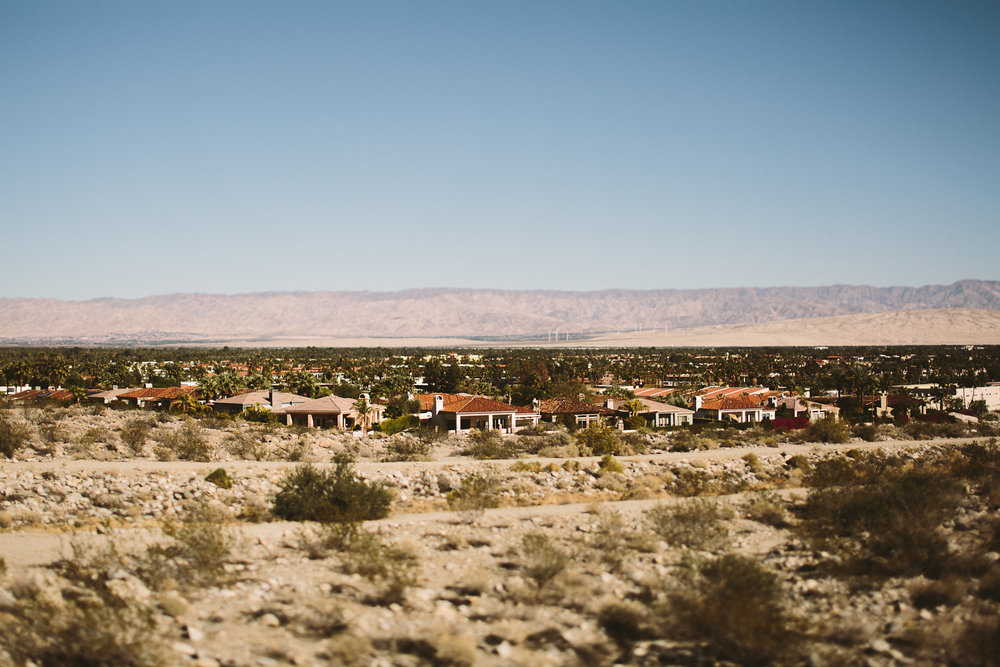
(463, 313)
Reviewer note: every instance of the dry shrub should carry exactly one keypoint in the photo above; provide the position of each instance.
(201, 545)
(882, 513)
(83, 623)
(188, 443)
(541, 559)
(247, 444)
(689, 441)
(766, 507)
(13, 436)
(477, 492)
(134, 433)
(697, 523)
(828, 429)
(487, 445)
(391, 568)
(737, 607)
(406, 447)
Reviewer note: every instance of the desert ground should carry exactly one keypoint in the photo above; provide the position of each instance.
(117, 551)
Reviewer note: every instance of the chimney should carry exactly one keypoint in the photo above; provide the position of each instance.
(697, 403)
(438, 404)
(883, 402)
(806, 393)
(270, 399)
(609, 403)
(535, 404)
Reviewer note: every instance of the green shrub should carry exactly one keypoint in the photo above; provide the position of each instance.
(599, 439)
(398, 424)
(737, 606)
(311, 494)
(828, 429)
(610, 464)
(867, 432)
(220, 478)
(695, 523)
(257, 413)
(486, 445)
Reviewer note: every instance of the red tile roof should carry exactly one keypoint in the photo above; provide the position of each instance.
(571, 406)
(733, 403)
(469, 404)
(158, 393)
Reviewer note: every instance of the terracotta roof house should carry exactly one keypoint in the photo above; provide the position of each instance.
(573, 410)
(654, 392)
(43, 394)
(811, 410)
(740, 409)
(330, 412)
(150, 396)
(267, 399)
(659, 415)
(108, 395)
(463, 412)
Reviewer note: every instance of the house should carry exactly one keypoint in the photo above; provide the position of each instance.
(569, 410)
(463, 412)
(109, 395)
(265, 399)
(654, 392)
(330, 412)
(160, 397)
(802, 407)
(887, 406)
(740, 409)
(658, 415)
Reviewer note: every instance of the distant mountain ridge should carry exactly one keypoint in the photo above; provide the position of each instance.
(468, 313)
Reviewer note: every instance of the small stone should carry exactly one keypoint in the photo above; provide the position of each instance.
(174, 604)
(184, 649)
(880, 646)
(505, 650)
(194, 634)
(270, 620)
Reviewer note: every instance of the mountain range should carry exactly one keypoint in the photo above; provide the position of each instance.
(476, 314)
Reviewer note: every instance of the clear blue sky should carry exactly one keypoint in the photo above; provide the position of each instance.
(159, 147)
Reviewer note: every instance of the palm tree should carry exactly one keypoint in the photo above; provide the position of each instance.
(186, 404)
(365, 411)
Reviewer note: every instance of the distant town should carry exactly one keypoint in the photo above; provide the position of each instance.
(505, 390)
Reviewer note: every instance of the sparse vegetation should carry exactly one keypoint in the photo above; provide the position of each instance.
(542, 559)
(738, 607)
(477, 492)
(487, 445)
(697, 523)
(13, 436)
(188, 443)
(308, 493)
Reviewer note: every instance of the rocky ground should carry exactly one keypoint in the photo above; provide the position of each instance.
(675, 558)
